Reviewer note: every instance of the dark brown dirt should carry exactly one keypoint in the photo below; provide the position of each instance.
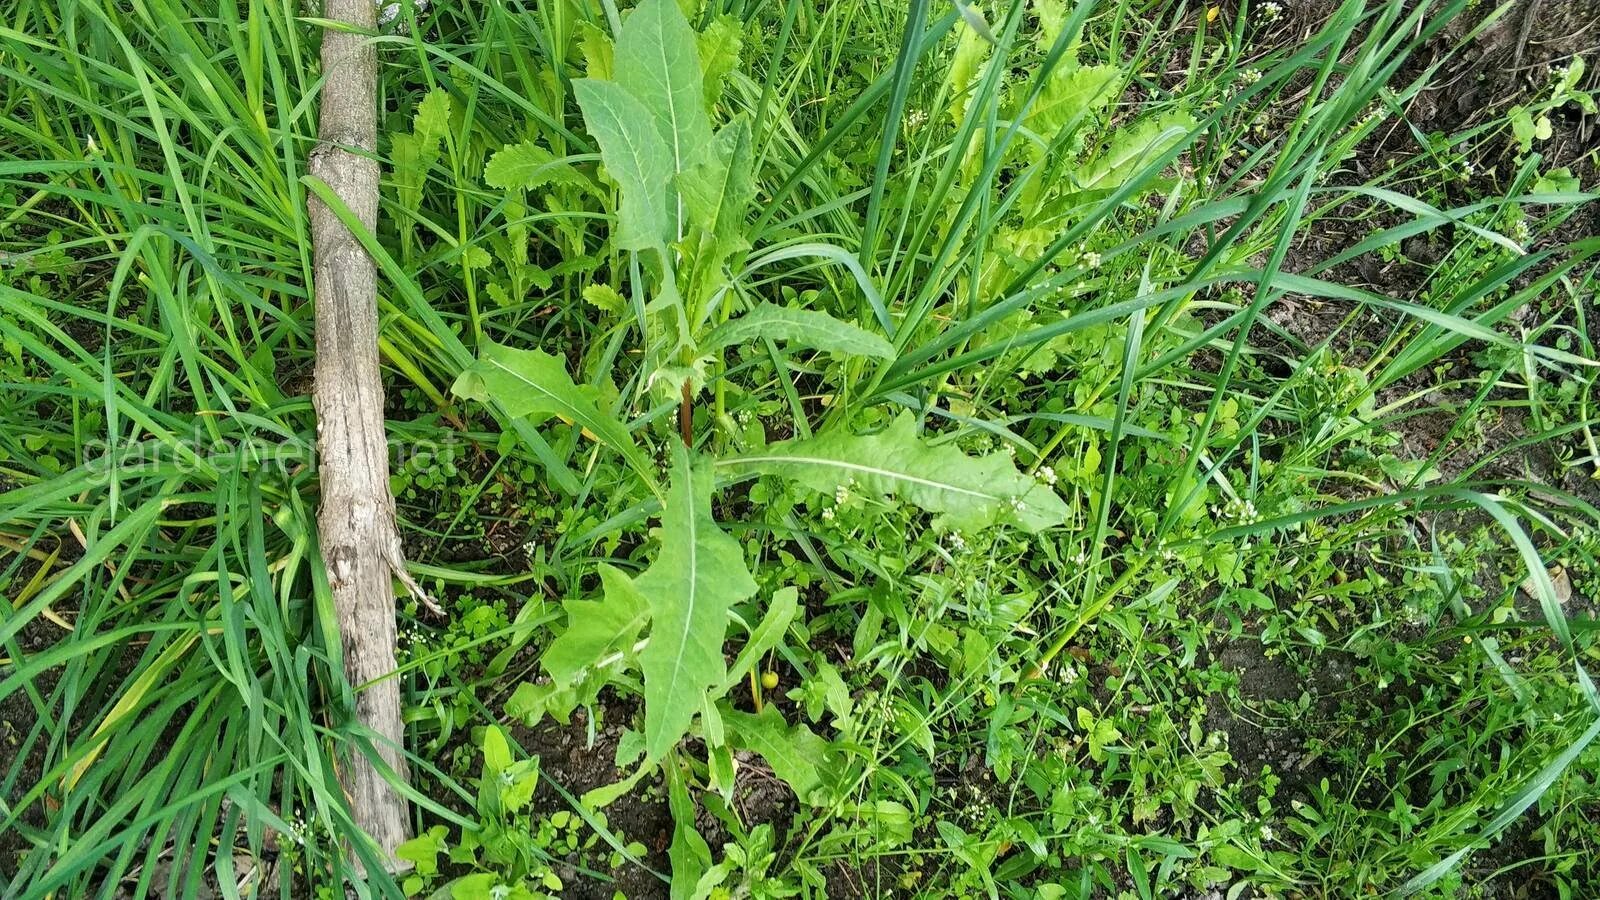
(565, 759)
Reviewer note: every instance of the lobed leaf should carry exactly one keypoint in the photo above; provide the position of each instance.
(657, 61)
(809, 328)
(697, 576)
(597, 630)
(797, 755)
(535, 384)
(528, 166)
(968, 492)
(635, 157)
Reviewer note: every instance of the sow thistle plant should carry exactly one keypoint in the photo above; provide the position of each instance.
(684, 194)
(981, 425)
(1003, 243)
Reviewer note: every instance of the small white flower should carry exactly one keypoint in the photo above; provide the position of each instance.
(1250, 76)
(827, 514)
(1266, 833)
(1046, 475)
(1090, 259)
(957, 542)
(841, 494)
(1017, 505)
(1269, 11)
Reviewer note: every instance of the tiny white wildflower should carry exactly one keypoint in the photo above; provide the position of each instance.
(827, 514)
(1046, 474)
(1250, 76)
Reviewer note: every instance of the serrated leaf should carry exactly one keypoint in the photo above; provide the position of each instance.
(719, 46)
(717, 192)
(598, 54)
(605, 298)
(528, 166)
(406, 158)
(1132, 149)
(597, 630)
(698, 574)
(413, 154)
(971, 49)
(657, 62)
(968, 492)
(432, 120)
(1071, 95)
(535, 384)
(809, 328)
(636, 158)
(796, 754)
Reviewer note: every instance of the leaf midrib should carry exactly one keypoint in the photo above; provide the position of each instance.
(858, 467)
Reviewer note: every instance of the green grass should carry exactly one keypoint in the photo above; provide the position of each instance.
(1192, 496)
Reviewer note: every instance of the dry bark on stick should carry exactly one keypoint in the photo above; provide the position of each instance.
(359, 539)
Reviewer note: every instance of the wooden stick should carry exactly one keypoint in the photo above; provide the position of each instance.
(360, 542)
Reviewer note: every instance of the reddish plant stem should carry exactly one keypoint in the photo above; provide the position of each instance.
(686, 417)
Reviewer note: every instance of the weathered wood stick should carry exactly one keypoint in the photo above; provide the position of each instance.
(359, 539)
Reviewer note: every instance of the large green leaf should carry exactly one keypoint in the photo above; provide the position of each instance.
(717, 192)
(657, 61)
(528, 166)
(1072, 93)
(1133, 148)
(796, 754)
(534, 383)
(809, 328)
(719, 47)
(969, 492)
(413, 154)
(697, 576)
(597, 630)
(636, 158)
